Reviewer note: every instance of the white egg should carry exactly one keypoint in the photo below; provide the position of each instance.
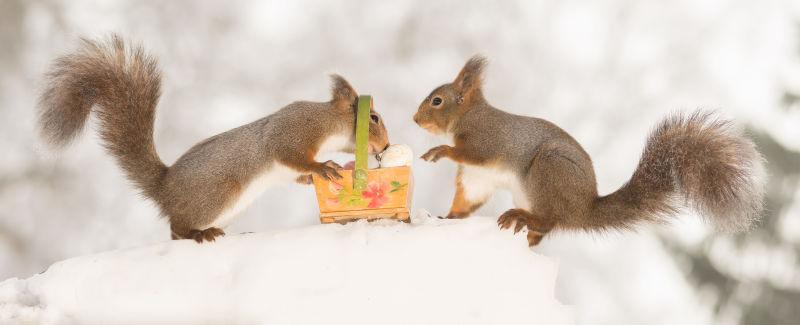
(397, 155)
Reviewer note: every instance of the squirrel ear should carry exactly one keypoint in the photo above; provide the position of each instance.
(471, 76)
(343, 95)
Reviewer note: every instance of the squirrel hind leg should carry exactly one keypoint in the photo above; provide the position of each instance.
(534, 238)
(472, 191)
(209, 234)
(537, 226)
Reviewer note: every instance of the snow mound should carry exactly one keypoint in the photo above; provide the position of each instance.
(429, 272)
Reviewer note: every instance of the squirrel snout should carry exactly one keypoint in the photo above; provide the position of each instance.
(416, 118)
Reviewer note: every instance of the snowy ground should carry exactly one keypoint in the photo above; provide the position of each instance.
(606, 71)
(430, 272)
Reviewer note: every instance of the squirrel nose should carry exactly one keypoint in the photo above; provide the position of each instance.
(416, 118)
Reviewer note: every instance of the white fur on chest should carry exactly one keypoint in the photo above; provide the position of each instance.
(448, 137)
(333, 143)
(480, 183)
(275, 174)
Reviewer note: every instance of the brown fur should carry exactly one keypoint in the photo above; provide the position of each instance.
(122, 86)
(126, 86)
(695, 159)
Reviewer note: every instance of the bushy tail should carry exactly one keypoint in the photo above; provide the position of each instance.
(123, 85)
(697, 160)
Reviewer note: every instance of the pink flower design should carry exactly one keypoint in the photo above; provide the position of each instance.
(376, 191)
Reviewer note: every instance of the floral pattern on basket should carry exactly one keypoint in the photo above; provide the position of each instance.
(374, 196)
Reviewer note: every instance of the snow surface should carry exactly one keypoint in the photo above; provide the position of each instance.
(606, 71)
(429, 272)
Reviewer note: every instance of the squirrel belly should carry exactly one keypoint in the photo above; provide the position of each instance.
(480, 182)
(275, 174)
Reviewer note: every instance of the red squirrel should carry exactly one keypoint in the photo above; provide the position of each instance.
(215, 179)
(695, 159)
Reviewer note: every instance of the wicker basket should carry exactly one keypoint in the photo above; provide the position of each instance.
(383, 193)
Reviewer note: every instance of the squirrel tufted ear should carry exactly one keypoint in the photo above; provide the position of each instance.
(343, 95)
(471, 76)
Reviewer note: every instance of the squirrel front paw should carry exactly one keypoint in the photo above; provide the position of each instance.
(304, 179)
(453, 215)
(328, 170)
(437, 153)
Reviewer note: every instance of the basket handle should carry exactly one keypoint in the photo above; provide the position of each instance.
(362, 141)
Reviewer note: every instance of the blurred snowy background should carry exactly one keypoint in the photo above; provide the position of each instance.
(606, 71)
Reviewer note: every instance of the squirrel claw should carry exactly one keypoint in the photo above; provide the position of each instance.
(304, 179)
(436, 153)
(524, 219)
(518, 227)
(515, 217)
(328, 170)
(332, 164)
(209, 234)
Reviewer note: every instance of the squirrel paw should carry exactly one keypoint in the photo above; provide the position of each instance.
(517, 217)
(209, 234)
(534, 238)
(437, 153)
(328, 170)
(304, 179)
(524, 219)
(455, 216)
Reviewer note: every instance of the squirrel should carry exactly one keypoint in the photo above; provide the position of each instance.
(216, 178)
(693, 158)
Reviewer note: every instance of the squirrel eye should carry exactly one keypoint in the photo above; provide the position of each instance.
(436, 101)
(375, 118)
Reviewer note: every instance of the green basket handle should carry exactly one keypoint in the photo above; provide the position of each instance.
(362, 141)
